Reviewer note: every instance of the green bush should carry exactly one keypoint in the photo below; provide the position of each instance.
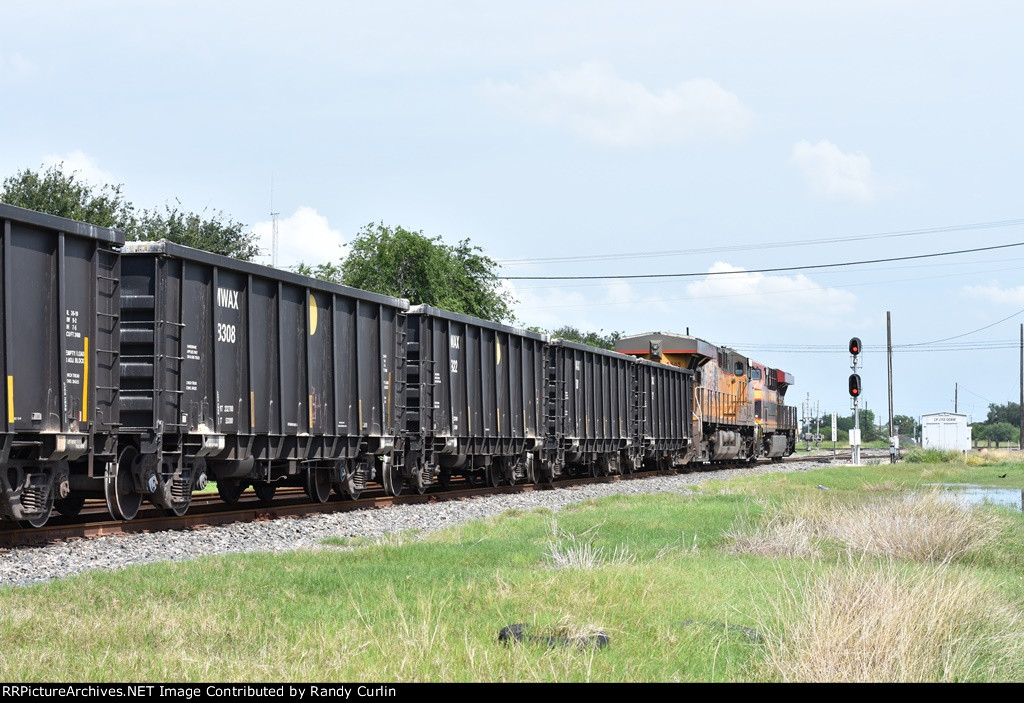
(933, 456)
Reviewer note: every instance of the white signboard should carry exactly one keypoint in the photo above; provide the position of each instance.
(854, 437)
(833, 427)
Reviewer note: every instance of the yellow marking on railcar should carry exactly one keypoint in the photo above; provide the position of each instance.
(10, 399)
(312, 315)
(252, 410)
(497, 353)
(311, 407)
(85, 384)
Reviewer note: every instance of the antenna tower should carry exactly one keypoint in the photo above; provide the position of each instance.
(273, 219)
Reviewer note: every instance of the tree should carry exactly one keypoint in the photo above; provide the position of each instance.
(1009, 413)
(66, 195)
(905, 425)
(395, 261)
(1002, 432)
(868, 429)
(56, 192)
(594, 339)
(215, 232)
(325, 272)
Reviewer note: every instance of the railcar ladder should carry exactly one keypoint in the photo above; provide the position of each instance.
(143, 363)
(109, 322)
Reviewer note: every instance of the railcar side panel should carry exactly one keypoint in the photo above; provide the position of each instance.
(280, 375)
(59, 332)
(593, 412)
(475, 390)
(664, 412)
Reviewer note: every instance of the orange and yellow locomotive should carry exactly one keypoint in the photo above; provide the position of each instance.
(738, 404)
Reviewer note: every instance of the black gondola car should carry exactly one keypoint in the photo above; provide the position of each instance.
(255, 375)
(592, 408)
(475, 398)
(664, 413)
(59, 355)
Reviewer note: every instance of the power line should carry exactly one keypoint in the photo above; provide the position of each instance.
(963, 388)
(967, 333)
(759, 293)
(760, 245)
(939, 264)
(835, 349)
(766, 270)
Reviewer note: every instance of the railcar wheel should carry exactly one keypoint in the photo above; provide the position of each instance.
(38, 520)
(417, 478)
(492, 474)
(351, 489)
(514, 469)
(44, 515)
(531, 469)
(264, 491)
(123, 502)
(174, 494)
(70, 506)
(318, 485)
(230, 489)
(390, 477)
(611, 465)
(177, 509)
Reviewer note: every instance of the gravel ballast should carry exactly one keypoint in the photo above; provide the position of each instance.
(27, 565)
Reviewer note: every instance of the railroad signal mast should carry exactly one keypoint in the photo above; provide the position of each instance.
(855, 390)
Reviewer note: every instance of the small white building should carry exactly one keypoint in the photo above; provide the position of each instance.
(945, 431)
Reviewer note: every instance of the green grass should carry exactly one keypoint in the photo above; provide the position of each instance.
(429, 606)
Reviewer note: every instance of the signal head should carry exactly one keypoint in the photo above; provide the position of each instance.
(855, 388)
(855, 346)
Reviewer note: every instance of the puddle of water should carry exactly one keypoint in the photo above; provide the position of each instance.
(973, 494)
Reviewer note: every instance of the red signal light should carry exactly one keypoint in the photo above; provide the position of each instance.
(855, 346)
(854, 385)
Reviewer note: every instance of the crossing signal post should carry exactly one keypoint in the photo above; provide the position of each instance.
(855, 391)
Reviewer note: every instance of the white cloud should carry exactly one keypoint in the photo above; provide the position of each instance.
(305, 237)
(81, 163)
(594, 308)
(597, 104)
(997, 294)
(782, 298)
(834, 174)
(16, 67)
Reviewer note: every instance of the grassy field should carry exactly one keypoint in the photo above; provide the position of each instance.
(764, 578)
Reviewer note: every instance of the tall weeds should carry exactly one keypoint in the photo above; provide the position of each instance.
(919, 526)
(888, 623)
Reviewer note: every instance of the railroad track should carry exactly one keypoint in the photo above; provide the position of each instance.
(208, 510)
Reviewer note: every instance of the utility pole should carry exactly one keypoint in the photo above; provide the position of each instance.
(1020, 442)
(956, 397)
(892, 435)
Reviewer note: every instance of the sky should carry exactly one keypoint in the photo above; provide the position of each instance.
(591, 138)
